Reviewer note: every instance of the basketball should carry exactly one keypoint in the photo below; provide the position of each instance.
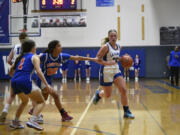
(126, 61)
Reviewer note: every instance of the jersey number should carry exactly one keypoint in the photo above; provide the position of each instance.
(21, 64)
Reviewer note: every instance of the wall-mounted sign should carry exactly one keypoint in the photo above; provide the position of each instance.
(104, 3)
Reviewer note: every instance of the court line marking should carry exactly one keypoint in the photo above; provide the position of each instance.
(87, 129)
(164, 82)
(82, 116)
(120, 119)
(146, 108)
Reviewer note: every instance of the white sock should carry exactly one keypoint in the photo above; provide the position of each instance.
(33, 118)
(6, 108)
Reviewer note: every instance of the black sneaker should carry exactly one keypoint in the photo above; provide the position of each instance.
(96, 97)
(129, 115)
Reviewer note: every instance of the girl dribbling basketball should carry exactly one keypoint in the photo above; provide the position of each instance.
(112, 74)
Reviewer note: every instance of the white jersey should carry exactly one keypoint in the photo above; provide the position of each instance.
(87, 62)
(112, 54)
(109, 73)
(16, 51)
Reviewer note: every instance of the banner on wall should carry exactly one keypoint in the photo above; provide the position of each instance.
(61, 21)
(4, 25)
(104, 3)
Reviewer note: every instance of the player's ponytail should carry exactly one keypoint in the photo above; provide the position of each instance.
(26, 47)
(105, 40)
(51, 46)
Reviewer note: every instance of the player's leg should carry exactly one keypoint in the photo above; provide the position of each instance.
(106, 92)
(75, 75)
(136, 74)
(79, 74)
(88, 74)
(7, 105)
(39, 104)
(172, 75)
(65, 75)
(121, 85)
(16, 123)
(64, 114)
(177, 75)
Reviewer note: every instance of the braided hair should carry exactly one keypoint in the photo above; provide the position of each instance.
(51, 46)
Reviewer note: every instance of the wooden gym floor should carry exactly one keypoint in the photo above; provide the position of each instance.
(155, 104)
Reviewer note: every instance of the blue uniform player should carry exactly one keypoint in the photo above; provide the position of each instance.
(51, 60)
(137, 63)
(64, 70)
(174, 64)
(88, 68)
(23, 86)
(78, 65)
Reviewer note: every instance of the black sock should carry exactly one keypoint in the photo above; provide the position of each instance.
(126, 108)
(98, 96)
(62, 111)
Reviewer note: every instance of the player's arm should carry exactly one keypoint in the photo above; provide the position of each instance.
(10, 57)
(36, 63)
(81, 58)
(101, 53)
(12, 70)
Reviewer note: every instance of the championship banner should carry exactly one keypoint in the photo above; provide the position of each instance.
(4, 25)
(104, 3)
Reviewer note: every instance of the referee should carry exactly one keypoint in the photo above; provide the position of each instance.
(174, 64)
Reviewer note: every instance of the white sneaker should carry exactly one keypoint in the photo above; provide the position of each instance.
(33, 124)
(63, 80)
(40, 119)
(16, 125)
(136, 79)
(128, 79)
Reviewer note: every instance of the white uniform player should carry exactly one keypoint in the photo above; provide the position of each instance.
(109, 73)
(15, 51)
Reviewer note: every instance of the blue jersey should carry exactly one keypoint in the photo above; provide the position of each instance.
(51, 65)
(174, 59)
(21, 80)
(65, 64)
(137, 63)
(77, 65)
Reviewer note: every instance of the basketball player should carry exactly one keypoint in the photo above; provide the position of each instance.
(137, 62)
(51, 60)
(22, 85)
(174, 64)
(64, 71)
(88, 68)
(77, 69)
(15, 51)
(104, 41)
(112, 74)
